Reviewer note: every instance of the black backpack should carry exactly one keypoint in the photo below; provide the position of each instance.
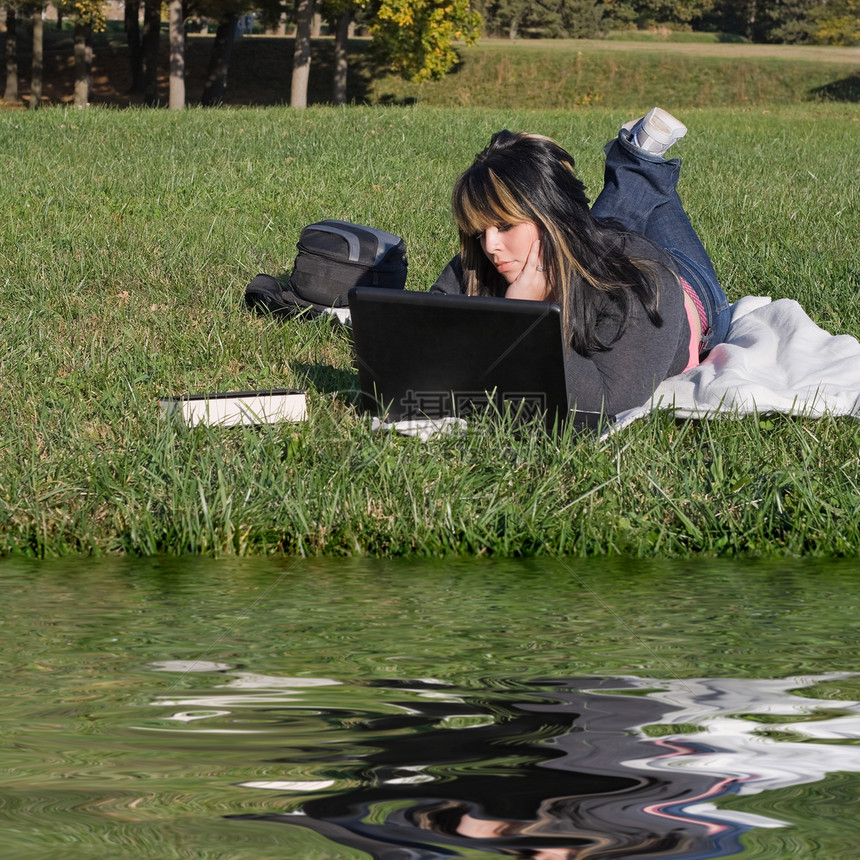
(333, 257)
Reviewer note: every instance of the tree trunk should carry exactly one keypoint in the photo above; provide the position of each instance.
(151, 37)
(132, 38)
(302, 54)
(316, 25)
(518, 12)
(341, 36)
(83, 63)
(177, 55)
(11, 94)
(219, 61)
(38, 59)
(751, 18)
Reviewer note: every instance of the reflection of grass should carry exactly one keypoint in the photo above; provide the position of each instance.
(660, 730)
(129, 238)
(819, 826)
(841, 689)
(86, 768)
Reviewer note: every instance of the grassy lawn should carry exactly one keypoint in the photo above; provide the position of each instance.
(127, 241)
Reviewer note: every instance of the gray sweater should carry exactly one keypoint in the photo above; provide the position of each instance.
(625, 375)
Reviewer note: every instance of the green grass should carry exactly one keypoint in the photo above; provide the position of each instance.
(128, 239)
(563, 74)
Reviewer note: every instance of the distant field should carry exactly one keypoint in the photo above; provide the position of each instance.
(519, 75)
(589, 73)
(698, 48)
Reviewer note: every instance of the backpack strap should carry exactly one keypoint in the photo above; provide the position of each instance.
(265, 295)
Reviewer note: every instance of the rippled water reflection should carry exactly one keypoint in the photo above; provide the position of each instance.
(417, 710)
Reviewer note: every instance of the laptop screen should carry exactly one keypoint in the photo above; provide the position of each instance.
(429, 355)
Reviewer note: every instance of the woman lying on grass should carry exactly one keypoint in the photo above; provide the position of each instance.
(640, 300)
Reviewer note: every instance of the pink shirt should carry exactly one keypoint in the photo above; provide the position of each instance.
(698, 322)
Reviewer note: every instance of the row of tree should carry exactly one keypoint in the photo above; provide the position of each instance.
(834, 22)
(415, 38)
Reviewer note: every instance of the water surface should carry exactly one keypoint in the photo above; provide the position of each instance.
(279, 708)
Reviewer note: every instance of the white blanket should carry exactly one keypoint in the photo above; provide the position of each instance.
(775, 359)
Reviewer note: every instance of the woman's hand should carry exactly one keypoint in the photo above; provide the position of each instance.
(531, 282)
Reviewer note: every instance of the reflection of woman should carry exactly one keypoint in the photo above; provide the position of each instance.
(539, 780)
(457, 820)
(639, 296)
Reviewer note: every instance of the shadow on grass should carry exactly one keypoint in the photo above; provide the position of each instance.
(843, 90)
(399, 100)
(328, 379)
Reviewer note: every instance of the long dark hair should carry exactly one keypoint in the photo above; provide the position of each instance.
(528, 177)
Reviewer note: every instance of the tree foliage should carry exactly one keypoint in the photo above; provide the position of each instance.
(88, 12)
(834, 22)
(650, 13)
(837, 23)
(416, 37)
(544, 19)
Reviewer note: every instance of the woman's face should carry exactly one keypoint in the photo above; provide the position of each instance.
(507, 247)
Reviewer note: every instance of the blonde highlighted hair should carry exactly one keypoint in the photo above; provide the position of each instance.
(523, 177)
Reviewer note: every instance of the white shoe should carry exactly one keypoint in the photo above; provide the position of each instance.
(656, 131)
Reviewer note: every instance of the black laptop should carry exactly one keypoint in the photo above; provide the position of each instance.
(426, 355)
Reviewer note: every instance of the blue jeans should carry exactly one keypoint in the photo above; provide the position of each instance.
(640, 192)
